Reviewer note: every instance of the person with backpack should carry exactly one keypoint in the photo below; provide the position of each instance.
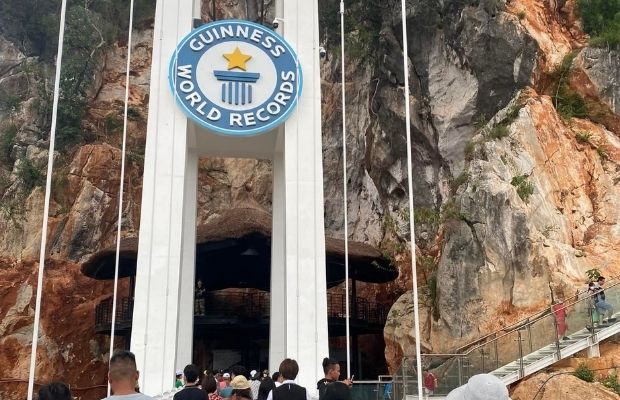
(601, 305)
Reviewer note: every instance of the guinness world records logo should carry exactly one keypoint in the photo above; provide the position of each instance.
(235, 77)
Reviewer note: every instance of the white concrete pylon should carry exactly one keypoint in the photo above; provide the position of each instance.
(298, 281)
(162, 333)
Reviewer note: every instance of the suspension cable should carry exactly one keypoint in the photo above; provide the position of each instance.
(46, 204)
(119, 219)
(344, 193)
(416, 314)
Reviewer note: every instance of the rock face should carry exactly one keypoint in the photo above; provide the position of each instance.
(510, 197)
(561, 387)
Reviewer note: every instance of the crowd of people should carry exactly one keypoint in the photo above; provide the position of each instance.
(235, 384)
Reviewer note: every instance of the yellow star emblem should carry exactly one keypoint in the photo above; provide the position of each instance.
(236, 59)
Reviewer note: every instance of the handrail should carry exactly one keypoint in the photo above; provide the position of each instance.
(249, 304)
(517, 325)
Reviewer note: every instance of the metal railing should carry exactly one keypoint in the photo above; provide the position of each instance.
(245, 305)
(511, 344)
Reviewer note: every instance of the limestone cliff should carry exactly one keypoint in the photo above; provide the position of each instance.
(510, 194)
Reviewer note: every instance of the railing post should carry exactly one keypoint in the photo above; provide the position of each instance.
(496, 352)
(529, 334)
(520, 340)
(557, 340)
(460, 370)
(404, 378)
(591, 312)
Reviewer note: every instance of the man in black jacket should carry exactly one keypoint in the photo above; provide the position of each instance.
(191, 390)
(289, 390)
(329, 387)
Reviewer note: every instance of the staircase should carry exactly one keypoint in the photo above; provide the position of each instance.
(517, 351)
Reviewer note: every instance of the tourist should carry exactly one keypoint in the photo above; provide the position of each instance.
(266, 386)
(123, 377)
(179, 379)
(225, 389)
(277, 378)
(55, 391)
(191, 390)
(603, 307)
(254, 384)
(560, 312)
(199, 299)
(289, 390)
(209, 385)
(236, 370)
(241, 388)
(430, 383)
(265, 374)
(480, 387)
(331, 369)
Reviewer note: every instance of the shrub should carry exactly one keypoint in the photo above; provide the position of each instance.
(601, 19)
(498, 132)
(524, 188)
(583, 137)
(11, 102)
(7, 142)
(426, 216)
(611, 382)
(593, 274)
(30, 175)
(133, 113)
(521, 15)
(602, 153)
(470, 148)
(570, 104)
(584, 373)
(451, 211)
(459, 180)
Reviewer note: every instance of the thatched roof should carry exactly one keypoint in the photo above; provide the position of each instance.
(244, 228)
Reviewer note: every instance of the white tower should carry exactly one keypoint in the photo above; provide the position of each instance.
(162, 333)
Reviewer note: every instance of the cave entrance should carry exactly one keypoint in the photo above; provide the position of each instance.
(233, 260)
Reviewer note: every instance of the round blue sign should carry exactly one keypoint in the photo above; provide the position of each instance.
(235, 77)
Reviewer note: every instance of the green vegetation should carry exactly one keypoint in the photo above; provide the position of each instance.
(470, 148)
(362, 23)
(611, 382)
(459, 180)
(133, 113)
(593, 274)
(568, 103)
(521, 15)
(426, 216)
(524, 188)
(602, 153)
(584, 373)
(601, 19)
(90, 27)
(498, 132)
(548, 230)
(111, 123)
(30, 175)
(583, 137)
(6, 143)
(450, 211)
(11, 102)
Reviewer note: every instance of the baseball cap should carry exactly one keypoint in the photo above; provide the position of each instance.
(179, 372)
(481, 387)
(253, 373)
(240, 382)
(226, 375)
